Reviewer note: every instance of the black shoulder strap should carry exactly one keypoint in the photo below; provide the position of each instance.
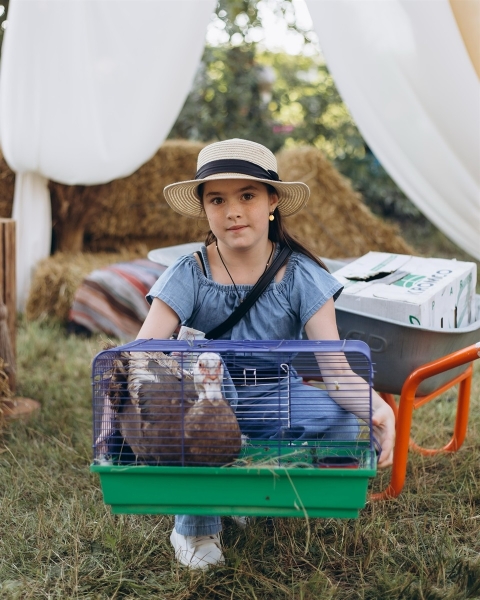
(200, 258)
(252, 296)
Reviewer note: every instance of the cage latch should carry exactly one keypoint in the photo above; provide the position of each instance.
(249, 377)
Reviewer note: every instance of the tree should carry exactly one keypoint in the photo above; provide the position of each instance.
(226, 100)
(306, 100)
(228, 96)
(278, 99)
(3, 19)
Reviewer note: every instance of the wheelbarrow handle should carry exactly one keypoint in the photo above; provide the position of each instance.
(439, 365)
(408, 402)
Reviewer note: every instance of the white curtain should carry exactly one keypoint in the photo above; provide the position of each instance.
(88, 92)
(33, 217)
(404, 71)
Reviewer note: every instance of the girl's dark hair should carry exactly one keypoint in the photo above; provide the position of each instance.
(277, 232)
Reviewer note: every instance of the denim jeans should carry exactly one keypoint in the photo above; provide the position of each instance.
(197, 524)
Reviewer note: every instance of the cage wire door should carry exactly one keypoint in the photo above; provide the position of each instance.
(277, 428)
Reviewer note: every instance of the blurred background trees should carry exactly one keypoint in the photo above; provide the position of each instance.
(3, 19)
(243, 89)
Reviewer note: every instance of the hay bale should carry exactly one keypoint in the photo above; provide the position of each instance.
(7, 187)
(123, 212)
(57, 278)
(133, 208)
(336, 222)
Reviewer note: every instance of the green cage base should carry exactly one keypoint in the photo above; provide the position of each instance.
(254, 490)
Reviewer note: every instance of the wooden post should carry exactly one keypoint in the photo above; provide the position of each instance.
(8, 280)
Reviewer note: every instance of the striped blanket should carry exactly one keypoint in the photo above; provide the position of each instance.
(112, 299)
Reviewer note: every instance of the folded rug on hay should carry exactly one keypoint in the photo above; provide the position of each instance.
(112, 299)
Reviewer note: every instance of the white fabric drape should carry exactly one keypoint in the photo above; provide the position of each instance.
(403, 70)
(89, 90)
(33, 216)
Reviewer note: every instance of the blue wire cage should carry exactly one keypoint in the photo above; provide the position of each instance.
(277, 428)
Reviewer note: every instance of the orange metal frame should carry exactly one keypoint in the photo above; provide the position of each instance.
(409, 402)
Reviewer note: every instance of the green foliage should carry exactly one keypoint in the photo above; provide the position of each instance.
(226, 100)
(239, 18)
(3, 18)
(380, 192)
(280, 100)
(304, 96)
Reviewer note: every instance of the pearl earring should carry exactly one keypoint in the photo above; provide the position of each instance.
(271, 217)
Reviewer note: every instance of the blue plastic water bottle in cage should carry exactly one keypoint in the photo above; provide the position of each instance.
(265, 428)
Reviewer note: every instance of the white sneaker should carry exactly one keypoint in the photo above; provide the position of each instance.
(197, 551)
(241, 522)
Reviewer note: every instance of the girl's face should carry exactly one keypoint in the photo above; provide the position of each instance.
(238, 210)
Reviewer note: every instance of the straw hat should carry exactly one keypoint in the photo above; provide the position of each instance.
(235, 159)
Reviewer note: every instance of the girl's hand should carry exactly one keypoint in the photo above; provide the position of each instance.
(322, 326)
(383, 420)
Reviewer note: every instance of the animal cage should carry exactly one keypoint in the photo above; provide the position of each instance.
(252, 428)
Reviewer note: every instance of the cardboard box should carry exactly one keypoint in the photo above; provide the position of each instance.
(435, 293)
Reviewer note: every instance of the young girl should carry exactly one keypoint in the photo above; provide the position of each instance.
(238, 191)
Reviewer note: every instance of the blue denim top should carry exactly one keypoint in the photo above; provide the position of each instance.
(280, 313)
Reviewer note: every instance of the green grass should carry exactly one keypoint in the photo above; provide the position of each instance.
(58, 540)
